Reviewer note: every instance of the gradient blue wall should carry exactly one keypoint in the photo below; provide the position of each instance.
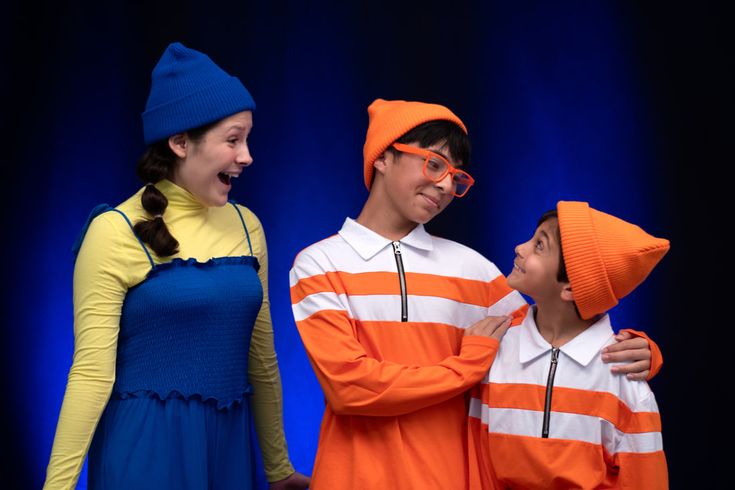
(560, 102)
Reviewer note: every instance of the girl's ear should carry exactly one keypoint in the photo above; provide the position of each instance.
(179, 144)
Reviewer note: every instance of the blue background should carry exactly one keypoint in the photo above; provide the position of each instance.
(626, 106)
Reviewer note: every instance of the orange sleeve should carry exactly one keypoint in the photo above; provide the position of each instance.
(642, 470)
(519, 315)
(657, 358)
(356, 384)
(480, 473)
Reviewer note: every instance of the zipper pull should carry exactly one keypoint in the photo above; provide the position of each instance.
(549, 392)
(554, 355)
(401, 280)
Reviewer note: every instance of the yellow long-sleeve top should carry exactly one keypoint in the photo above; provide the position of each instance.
(110, 262)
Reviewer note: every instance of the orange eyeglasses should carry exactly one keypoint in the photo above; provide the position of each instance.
(436, 168)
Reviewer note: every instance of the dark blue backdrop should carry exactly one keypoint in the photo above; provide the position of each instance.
(626, 107)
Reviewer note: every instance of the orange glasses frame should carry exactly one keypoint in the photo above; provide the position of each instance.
(427, 154)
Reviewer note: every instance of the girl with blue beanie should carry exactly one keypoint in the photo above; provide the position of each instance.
(173, 342)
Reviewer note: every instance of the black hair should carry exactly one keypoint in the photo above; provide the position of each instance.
(157, 163)
(433, 132)
(561, 273)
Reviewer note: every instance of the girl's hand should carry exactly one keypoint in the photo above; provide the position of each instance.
(296, 481)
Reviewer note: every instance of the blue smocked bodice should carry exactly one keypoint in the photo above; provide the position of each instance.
(185, 330)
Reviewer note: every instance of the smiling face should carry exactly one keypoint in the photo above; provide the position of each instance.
(416, 198)
(536, 265)
(206, 166)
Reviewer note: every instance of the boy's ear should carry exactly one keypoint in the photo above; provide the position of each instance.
(178, 144)
(566, 292)
(380, 164)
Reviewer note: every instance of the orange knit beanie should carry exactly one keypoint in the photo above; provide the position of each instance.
(391, 119)
(606, 257)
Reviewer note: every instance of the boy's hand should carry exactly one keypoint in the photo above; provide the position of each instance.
(635, 350)
(493, 327)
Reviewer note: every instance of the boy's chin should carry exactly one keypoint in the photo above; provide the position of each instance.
(510, 279)
(518, 287)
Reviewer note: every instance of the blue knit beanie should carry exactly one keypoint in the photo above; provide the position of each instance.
(189, 90)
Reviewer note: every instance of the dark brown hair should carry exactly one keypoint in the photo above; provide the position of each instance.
(157, 163)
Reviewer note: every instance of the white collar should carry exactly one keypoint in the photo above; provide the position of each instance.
(367, 243)
(581, 348)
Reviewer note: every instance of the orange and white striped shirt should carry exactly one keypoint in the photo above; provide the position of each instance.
(551, 418)
(383, 324)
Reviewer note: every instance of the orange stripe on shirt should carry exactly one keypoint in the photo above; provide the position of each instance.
(390, 340)
(516, 462)
(518, 315)
(569, 400)
(469, 291)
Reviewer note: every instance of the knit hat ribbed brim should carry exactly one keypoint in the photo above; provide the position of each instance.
(391, 119)
(606, 258)
(189, 90)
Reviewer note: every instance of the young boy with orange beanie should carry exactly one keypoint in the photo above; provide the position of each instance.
(394, 320)
(550, 414)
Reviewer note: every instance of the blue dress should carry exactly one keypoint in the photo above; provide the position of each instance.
(178, 417)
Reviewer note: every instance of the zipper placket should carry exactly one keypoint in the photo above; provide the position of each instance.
(549, 389)
(402, 281)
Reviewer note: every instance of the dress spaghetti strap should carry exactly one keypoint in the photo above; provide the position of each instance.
(247, 235)
(101, 209)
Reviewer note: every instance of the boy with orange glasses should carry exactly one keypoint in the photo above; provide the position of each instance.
(394, 320)
(550, 414)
